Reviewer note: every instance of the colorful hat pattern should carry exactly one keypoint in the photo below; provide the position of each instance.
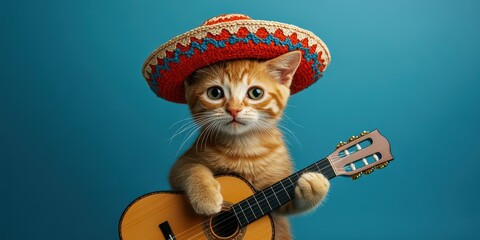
(228, 37)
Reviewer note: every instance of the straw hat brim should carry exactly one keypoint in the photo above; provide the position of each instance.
(170, 64)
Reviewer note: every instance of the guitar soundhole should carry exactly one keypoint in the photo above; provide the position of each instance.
(224, 225)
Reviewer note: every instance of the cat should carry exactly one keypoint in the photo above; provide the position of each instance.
(238, 104)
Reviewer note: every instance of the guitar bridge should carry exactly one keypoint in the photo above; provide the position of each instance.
(167, 231)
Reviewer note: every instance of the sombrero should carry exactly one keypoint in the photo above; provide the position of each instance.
(228, 37)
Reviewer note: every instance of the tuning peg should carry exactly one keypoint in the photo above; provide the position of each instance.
(356, 176)
(364, 133)
(352, 138)
(383, 165)
(341, 144)
(368, 171)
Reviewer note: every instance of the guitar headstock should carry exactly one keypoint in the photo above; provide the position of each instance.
(361, 155)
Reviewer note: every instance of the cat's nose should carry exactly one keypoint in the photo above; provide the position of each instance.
(233, 112)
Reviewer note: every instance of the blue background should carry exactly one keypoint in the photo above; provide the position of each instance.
(82, 134)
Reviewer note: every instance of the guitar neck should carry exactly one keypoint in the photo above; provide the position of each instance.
(275, 196)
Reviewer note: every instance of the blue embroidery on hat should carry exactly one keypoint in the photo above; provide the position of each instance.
(202, 47)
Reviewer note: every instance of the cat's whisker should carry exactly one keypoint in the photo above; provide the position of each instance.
(185, 127)
(290, 105)
(202, 117)
(190, 134)
(288, 118)
(263, 131)
(181, 130)
(199, 138)
(207, 129)
(203, 139)
(267, 124)
(217, 130)
(193, 129)
(291, 133)
(191, 117)
(213, 129)
(179, 121)
(203, 135)
(264, 128)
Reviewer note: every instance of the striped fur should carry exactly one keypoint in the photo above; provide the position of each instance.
(251, 146)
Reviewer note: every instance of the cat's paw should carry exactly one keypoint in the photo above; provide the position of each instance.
(311, 189)
(206, 198)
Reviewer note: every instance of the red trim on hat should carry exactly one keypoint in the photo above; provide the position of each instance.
(178, 72)
(226, 18)
(176, 66)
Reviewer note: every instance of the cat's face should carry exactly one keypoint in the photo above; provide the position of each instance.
(241, 96)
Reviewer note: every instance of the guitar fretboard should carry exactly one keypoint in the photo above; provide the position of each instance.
(275, 196)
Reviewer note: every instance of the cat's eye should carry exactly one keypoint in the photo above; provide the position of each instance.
(255, 93)
(215, 93)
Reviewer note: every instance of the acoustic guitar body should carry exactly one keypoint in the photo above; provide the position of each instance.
(169, 215)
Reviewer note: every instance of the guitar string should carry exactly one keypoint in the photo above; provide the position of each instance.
(282, 199)
(233, 216)
(335, 159)
(243, 211)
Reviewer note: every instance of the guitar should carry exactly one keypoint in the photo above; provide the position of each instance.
(246, 212)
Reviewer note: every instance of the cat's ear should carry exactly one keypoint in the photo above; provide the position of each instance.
(284, 67)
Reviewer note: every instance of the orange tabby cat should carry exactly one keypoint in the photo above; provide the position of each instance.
(238, 104)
